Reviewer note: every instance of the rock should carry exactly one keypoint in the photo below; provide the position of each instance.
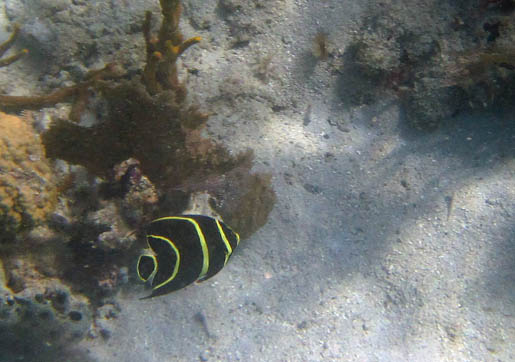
(430, 103)
(47, 314)
(104, 317)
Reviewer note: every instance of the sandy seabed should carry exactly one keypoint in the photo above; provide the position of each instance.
(385, 244)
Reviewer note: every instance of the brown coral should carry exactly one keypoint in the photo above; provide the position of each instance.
(78, 93)
(153, 124)
(160, 72)
(246, 202)
(157, 131)
(5, 46)
(150, 153)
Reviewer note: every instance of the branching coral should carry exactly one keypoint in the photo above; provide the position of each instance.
(150, 154)
(5, 46)
(160, 72)
(78, 92)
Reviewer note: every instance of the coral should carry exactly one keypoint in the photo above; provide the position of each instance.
(359, 81)
(78, 93)
(142, 159)
(139, 195)
(433, 78)
(99, 228)
(160, 71)
(163, 135)
(473, 79)
(150, 120)
(28, 192)
(148, 117)
(376, 54)
(430, 102)
(479, 65)
(246, 202)
(5, 46)
(242, 199)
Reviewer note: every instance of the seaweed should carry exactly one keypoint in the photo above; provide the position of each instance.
(321, 45)
(162, 134)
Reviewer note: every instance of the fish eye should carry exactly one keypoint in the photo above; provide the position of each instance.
(147, 266)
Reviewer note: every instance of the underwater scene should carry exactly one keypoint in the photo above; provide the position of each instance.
(257, 180)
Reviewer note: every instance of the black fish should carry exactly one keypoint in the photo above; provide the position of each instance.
(184, 249)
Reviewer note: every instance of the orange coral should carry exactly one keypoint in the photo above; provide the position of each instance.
(28, 191)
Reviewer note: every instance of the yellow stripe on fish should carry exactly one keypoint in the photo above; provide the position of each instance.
(184, 249)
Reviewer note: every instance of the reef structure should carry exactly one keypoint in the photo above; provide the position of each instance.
(143, 157)
(150, 119)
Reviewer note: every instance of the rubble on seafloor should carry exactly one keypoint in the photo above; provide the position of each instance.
(46, 309)
(75, 211)
(435, 76)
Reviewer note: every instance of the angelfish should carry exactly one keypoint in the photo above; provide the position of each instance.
(184, 249)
